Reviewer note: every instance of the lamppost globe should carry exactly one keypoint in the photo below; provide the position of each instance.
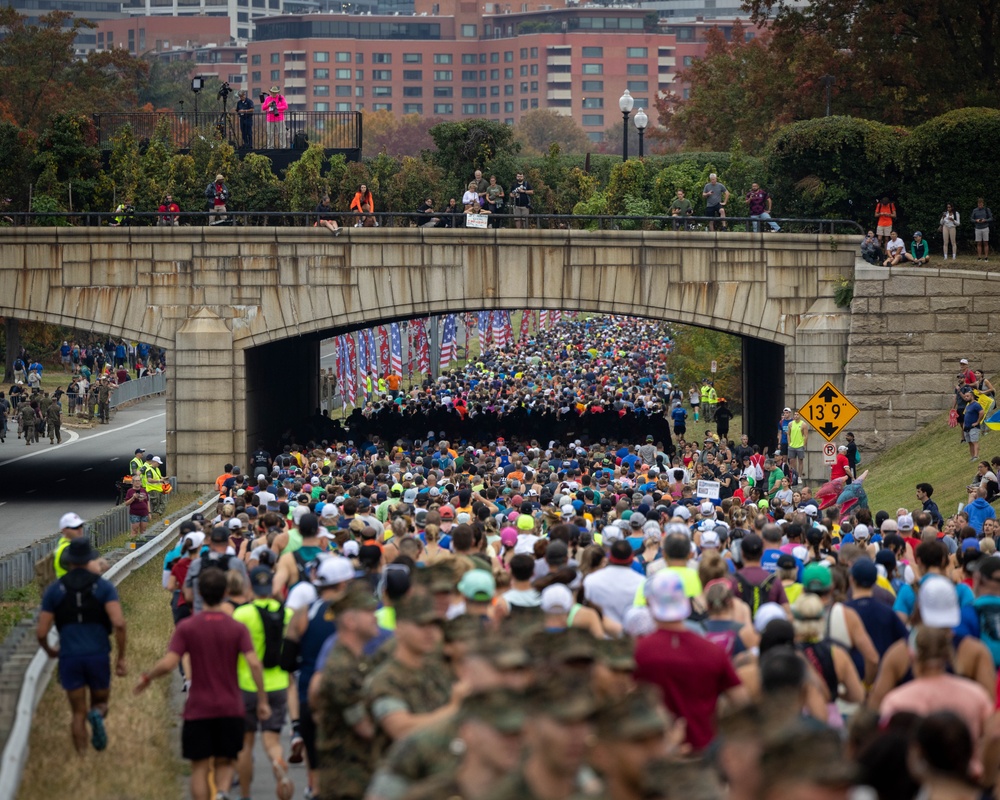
(625, 103)
(641, 121)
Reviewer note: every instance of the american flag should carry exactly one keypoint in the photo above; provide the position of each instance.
(423, 348)
(543, 320)
(525, 332)
(508, 328)
(499, 329)
(556, 317)
(409, 351)
(383, 349)
(449, 341)
(395, 349)
(484, 330)
(368, 340)
(362, 356)
(342, 370)
(352, 369)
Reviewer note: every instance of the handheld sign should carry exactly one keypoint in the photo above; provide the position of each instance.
(708, 490)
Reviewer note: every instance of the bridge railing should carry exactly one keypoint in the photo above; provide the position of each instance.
(396, 219)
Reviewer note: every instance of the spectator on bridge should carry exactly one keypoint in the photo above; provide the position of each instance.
(681, 207)
(217, 195)
(716, 196)
(950, 220)
(920, 252)
(169, 212)
(124, 213)
(494, 196)
(885, 213)
(871, 249)
(895, 250)
(324, 216)
(244, 110)
(85, 609)
(426, 210)
(759, 203)
(471, 199)
(982, 218)
(363, 204)
(452, 210)
(521, 194)
(274, 106)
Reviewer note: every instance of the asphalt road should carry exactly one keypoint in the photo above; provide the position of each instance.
(41, 482)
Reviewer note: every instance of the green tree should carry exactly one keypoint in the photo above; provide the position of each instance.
(155, 168)
(255, 187)
(693, 351)
(415, 181)
(540, 128)
(125, 166)
(304, 183)
(463, 147)
(18, 148)
(628, 178)
(165, 85)
(576, 187)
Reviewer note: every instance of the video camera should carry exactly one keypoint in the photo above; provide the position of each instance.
(225, 91)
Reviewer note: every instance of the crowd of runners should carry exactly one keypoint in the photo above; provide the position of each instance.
(505, 615)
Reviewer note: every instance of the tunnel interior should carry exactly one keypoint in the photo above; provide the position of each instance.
(283, 387)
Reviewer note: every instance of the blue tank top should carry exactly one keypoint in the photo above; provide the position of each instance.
(318, 630)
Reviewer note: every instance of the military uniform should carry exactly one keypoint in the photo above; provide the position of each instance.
(422, 756)
(104, 402)
(345, 759)
(53, 419)
(27, 421)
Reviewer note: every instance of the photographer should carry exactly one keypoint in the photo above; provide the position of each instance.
(169, 212)
(244, 110)
(217, 195)
(521, 193)
(681, 207)
(275, 107)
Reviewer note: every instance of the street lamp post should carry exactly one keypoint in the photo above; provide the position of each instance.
(828, 81)
(641, 121)
(625, 103)
(197, 84)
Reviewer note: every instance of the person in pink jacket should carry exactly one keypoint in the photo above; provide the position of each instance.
(275, 106)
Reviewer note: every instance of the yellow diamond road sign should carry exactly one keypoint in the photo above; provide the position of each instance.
(828, 411)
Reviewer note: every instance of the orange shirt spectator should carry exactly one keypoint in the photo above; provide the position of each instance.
(363, 201)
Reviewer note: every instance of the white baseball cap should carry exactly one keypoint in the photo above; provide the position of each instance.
(666, 598)
(939, 606)
(157, 460)
(557, 599)
(334, 570)
(70, 520)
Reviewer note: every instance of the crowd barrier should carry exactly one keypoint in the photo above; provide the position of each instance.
(137, 389)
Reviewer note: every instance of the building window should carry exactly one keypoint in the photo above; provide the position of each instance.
(381, 106)
(508, 90)
(494, 58)
(688, 61)
(534, 102)
(494, 91)
(443, 91)
(524, 105)
(343, 91)
(596, 136)
(413, 74)
(381, 58)
(508, 73)
(534, 69)
(524, 70)
(413, 91)
(381, 74)
(343, 74)
(443, 74)
(470, 108)
(636, 52)
(494, 74)
(524, 87)
(254, 59)
(470, 75)
(593, 52)
(359, 74)
(275, 58)
(359, 91)
(593, 102)
(508, 107)
(413, 108)
(593, 119)
(593, 86)
(443, 108)
(341, 106)
(638, 86)
(413, 58)
(275, 74)
(469, 58)
(321, 74)
(255, 77)
(321, 57)
(524, 55)
(381, 91)
(442, 58)
(534, 86)
(321, 90)
(637, 69)
(469, 31)
(534, 52)
(359, 58)
(482, 74)
(321, 106)
(343, 58)
(482, 91)
(593, 69)
(508, 56)
(642, 102)
(494, 108)
(470, 91)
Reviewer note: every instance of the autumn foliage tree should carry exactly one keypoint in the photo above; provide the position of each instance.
(540, 128)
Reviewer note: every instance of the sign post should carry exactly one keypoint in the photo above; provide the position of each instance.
(715, 366)
(829, 454)
(829, 412)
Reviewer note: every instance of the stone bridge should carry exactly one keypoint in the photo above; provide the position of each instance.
(243, 310)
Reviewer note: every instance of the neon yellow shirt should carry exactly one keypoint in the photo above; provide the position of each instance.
(275, 679)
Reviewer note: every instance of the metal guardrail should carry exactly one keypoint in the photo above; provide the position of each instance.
(36, 676)
(137, 389)
(335, 130)
(396, 219)
(18, 568)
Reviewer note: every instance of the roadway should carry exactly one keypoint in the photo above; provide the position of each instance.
(41, 482)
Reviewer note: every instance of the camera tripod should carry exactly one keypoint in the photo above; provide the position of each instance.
(225, 127)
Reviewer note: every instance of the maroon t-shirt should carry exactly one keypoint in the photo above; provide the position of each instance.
(214, 642)
(691, 673)
(140, 508)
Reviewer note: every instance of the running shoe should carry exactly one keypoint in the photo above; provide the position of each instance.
(298, 748)
(98, 735)
(285, 787)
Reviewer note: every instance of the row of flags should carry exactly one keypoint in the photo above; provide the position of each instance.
(379, 351)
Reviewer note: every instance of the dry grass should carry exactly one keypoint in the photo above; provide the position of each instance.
(142, 760)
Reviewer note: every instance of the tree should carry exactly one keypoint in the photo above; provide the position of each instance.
(415, 181)
(463, 147)
(397, 136)
(304, 184)
(540, 128)
(166, 84)
(693, 351)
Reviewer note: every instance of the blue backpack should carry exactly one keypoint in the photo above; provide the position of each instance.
(988, 613)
